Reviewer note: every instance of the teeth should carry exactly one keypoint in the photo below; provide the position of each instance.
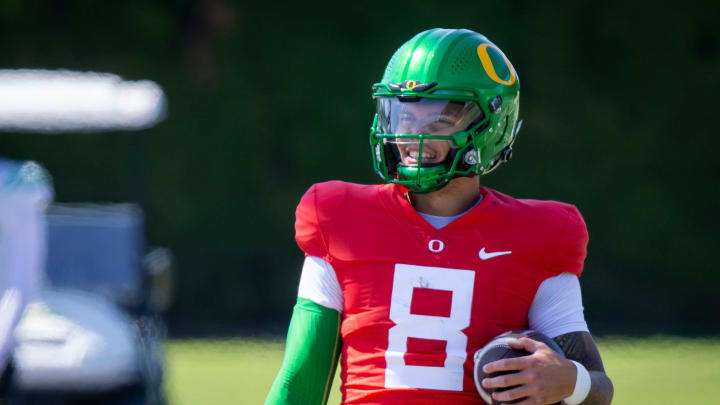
(414, 154)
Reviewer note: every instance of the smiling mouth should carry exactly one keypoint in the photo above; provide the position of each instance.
(411, 156)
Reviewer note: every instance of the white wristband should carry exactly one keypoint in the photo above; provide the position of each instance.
(582, 385)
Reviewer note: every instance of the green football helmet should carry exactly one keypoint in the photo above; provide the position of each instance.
(447, 106)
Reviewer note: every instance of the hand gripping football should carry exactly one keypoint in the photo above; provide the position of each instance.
(497, 349)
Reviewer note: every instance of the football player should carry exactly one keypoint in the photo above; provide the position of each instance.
(403, 282)
(25, 192)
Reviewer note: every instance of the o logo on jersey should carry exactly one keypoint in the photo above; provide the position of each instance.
(436, 246)
(490, 68)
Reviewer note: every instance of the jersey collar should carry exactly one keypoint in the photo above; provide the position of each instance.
(396, 200)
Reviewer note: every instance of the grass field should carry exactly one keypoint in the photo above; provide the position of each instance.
(657, 371)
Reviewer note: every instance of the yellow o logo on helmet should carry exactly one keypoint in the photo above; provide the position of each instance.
(410, 84)
(488, 65)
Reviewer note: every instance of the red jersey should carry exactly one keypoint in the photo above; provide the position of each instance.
(419, 301)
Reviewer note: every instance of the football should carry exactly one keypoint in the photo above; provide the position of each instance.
(497, 349)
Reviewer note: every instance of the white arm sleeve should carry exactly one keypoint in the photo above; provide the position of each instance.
(319, 284)
(557, 308)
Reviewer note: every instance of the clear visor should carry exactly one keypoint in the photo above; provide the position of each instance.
(422, 116)
(426, 116)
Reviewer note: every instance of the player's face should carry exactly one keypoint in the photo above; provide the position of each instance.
(428, 117)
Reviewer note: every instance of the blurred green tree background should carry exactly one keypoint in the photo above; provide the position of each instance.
(618, 101)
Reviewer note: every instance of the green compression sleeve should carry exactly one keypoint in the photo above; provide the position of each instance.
(311, 354)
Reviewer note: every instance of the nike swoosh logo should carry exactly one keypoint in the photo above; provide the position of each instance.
(485, 255)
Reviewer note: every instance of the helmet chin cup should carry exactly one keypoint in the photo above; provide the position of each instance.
(423, 179)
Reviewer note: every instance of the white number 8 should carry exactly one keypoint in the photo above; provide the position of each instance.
(450, 376)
